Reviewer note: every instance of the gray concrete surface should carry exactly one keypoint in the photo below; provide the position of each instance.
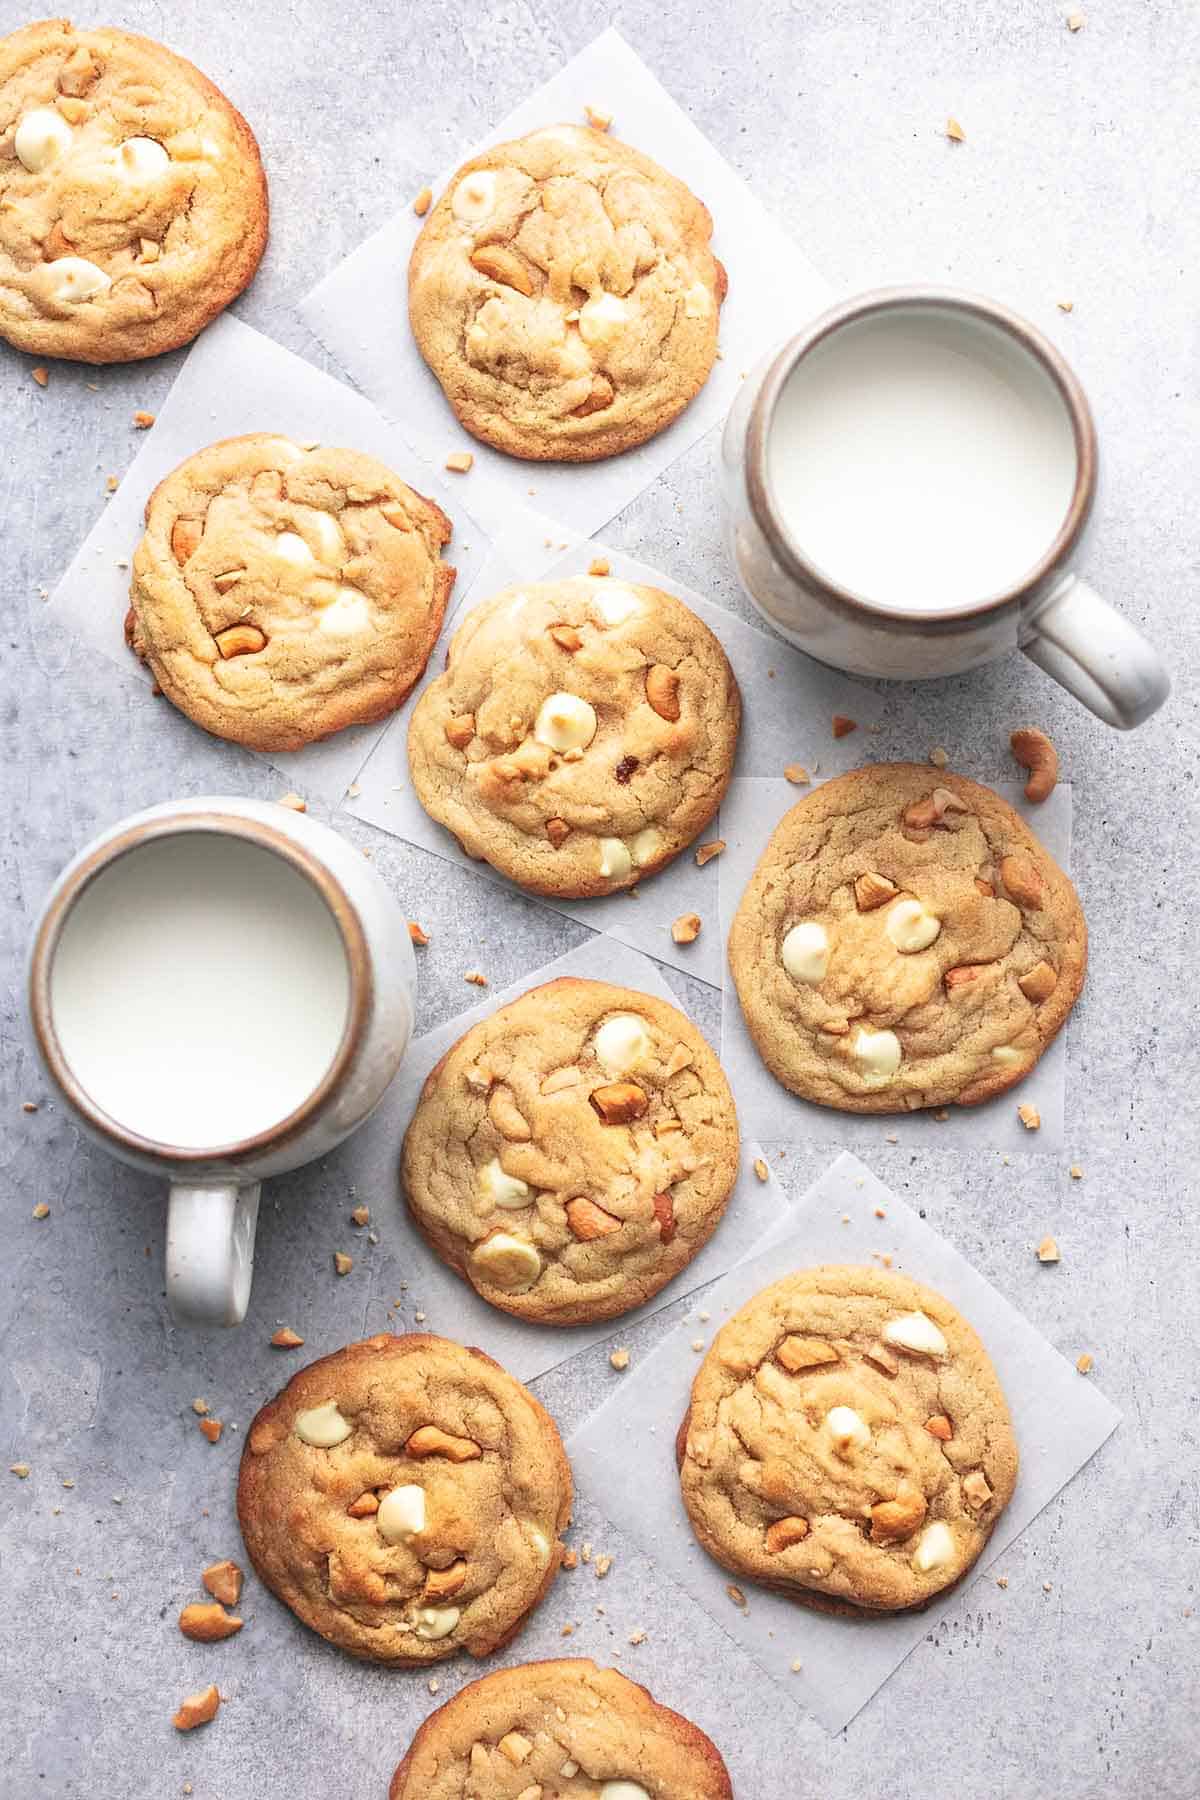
(1077, 181)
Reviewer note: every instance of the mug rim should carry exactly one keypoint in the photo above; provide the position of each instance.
(768, 515)
(354, 944)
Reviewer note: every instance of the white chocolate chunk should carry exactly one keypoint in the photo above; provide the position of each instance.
(507, 1262)
(401, 1513)
(142, 159)
(623, 1790)
(565, 722)
(327, 534)
(349, 612)
(917, 1332)
(804, 952)
(615, 860)
(292, 548)
(935, 1547)
(602, 319)
(538, 1539)
(1004, 1053)
(434, 1622)
(622, 1044)
(614, 602)
(697, 302)
(322, 1426)
(910, 927)
(569, 1768)
(646, 846)
(877, 1054)
(501, 1188)
(848, 1430)
(69, 280)
(43, 137)
(475, 196)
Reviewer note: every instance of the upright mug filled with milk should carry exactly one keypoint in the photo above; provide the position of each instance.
(907, 484)
(221, 990)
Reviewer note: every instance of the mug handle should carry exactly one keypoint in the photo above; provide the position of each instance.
(210, 1250)
(1097, 655)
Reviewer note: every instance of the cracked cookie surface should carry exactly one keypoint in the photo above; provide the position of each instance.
(404, 1497)
(133, 204)
(280, 594)
(565, 296)
(582, 734)
(905, 942)
(572, 1153)
(565, 1729)
(847, 1442)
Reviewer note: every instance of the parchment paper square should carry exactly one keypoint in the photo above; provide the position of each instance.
(749, 815)
(1060, 1420)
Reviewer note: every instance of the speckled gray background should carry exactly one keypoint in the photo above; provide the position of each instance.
(1077, 181)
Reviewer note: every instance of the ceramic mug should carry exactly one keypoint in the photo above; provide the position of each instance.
(316, 1022)
(1039, 603)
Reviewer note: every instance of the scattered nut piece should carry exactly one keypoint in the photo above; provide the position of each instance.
(1038, 983)
(417, 933)
(1047, 1251)
(515, 1747)
(460, 731)
(570, 1559)
(686, 928)
(207, 1622)
(342, 1263)
(29, 1106)
(662, 691)
(842, 726)
(459, 461)
(976, 1491)
(40, 375)
(882, 1359)
(761, 1169)
(423, 202)
(1075, 1172)
(293, 802)
(1076, 21)
(200, 1406)
(589, 1221)
(1034, 751)
(735, 1594)
(41, 1210)
(599, 565)
(143, 420)
(706, 852)
(361, 1215)
(894, 1520)
(197, 1709)
(619, 1102)
(1030, 1117)
(940, 1427)
(1065, 305)
(211, 1429)
(796, 774)
(1002, 1581)
(955, 132)
(286, 1339)
(619, 1359)
(431, 1440)
(112, 484)
(1083, 1363)
(475, 978)
(939, 757)
(602, 1565)
(223, 1581)
(638, 1636)
(872, 890)
(599, 121)
(20, 1470)
(798, 1353)
(783, 1533)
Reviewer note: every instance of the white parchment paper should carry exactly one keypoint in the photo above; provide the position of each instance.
(751, 811)
(235, 380)
(449, 1304)
(787, 704)
(360, 310)
(1060, 1420)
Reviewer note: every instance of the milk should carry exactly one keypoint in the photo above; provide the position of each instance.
(199, 990)
(921, 459)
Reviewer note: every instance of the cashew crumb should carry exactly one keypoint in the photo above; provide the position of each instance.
(619, 1359)
(342, 1263)
(417, 933)
(459, 462)
(40, 375)
(423, 202)
(761, 1169)
(796, 774)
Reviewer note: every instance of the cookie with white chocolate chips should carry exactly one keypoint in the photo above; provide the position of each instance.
(563, 1730)
(133, 204)
(847, 1443)
(905, 942)
(582, 735)
(281, 593)
(564, 293)
(570, 1154)
(404, 1497)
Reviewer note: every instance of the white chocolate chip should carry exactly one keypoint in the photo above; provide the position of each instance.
(475, 196)
(322, 1426)
(538, 1539)
(142, 159)
(42, 138)
(934, 1548)
(331, 545)
(697, 303)
(614, 601)
(917, 1332)
(622, 1044)
(401, 1514)
(602, 319)
(646, 846)
(569, 1769)
(565, 722)
(622, 1790)
(877, 1054)
(804, 952)
(1004, 1053)
(848, 1430)
(349, 612)
(292, 547)
(910, 927)
(69, 280)
(435, 1622)
(507, 1262)
(501, 1188)
(615, 860)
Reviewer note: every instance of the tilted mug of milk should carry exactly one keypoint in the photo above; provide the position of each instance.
(906, 487)
(221, 989)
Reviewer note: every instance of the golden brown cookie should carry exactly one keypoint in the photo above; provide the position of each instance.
(563, 292)
(133, 204)
(405, 1498)
(564, 1730)
(847, 1443)
(582, 735)
(905, 941)
(570, 1154)
(282, 593)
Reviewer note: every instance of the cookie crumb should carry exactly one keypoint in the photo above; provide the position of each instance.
(142, 421)
(20, 1470)
(293, 802)
(1076, 21)
(797, 1666)
(796, 774)
(417, 933)
(1065, 305)
(686, 928)
(1047, 1251)
(361, 1215)
(1075, 1172)
(638, 1636)
(585, 1551)
(842, 726)
(40, 375)
(41, 1210)
(286, 1339)
(433, 1684)
(599, 121)
(736, 1595)
(1002, 1581)
(419, 1317)
(567, 1631)
(423, 202)
(706, 852)
(619, 1359)
(941, 1114)
(353, 791)
(599, 565)
(761, 1169)
(29, 1106)
(1047, 1587)
(200, 1406)
(459, 462)
(1084, 1363)
(342, 1263)
(112, 484)
(880, 1213)
(697, 1343)
(939, 757)
(570, 1559)
(955, 132)
(891, 1137)
(602, 1565)
(211, 1429)
(1030, 1117)
(475, 978)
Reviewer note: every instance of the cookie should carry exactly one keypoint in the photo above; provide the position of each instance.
(282, 593)
(564, 294)
(405, 1497)
(564, 1730)
(570, 1154)
(133, 204)
(847, 1443)
(905, 942)
(582, 735)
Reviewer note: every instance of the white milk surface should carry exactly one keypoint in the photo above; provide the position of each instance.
(921, 459)
(199, 990)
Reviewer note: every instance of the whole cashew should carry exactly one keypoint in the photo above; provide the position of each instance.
(1034, 751)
